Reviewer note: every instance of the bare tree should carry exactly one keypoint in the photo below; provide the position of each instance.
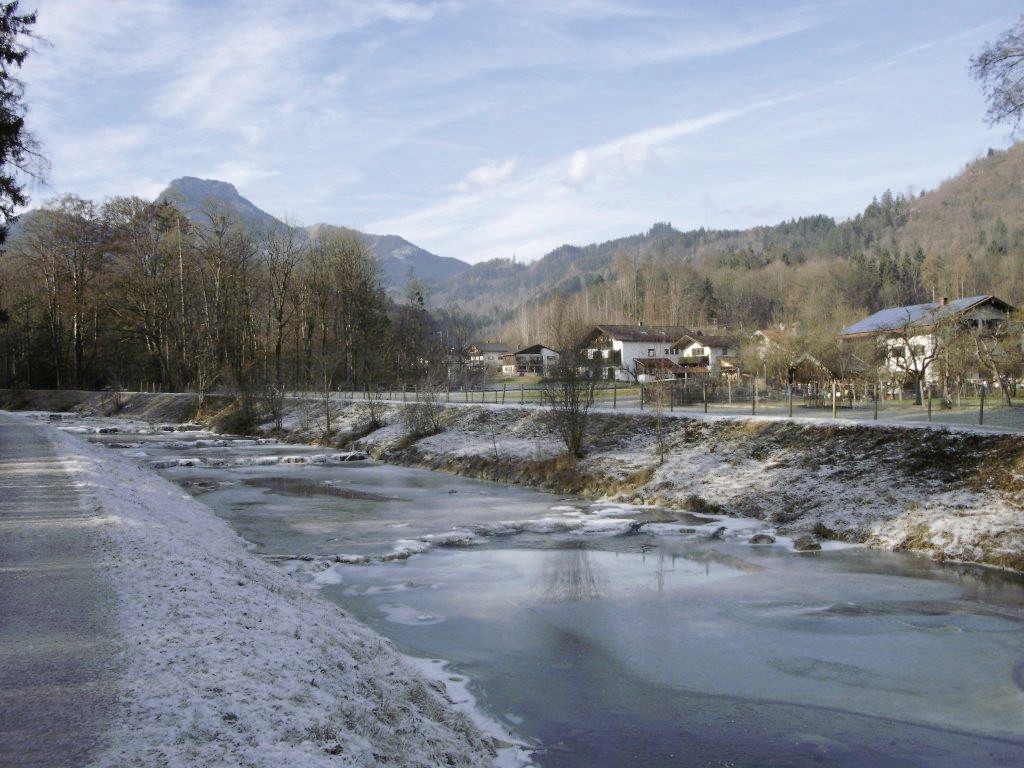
(569, 391)
(999, 67)
(912, 348)
(998, 351)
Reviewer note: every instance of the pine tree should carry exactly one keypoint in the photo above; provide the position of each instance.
(19, 150)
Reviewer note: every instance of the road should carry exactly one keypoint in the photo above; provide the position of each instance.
(58, 643)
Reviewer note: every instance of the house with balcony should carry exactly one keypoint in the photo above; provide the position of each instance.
(613, 351)
(710, 354)
(535, 360)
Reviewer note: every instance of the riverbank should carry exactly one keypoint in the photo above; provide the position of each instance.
(227, 661)
(955, 494)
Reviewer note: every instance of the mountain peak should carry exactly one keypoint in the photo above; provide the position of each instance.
(198, 197)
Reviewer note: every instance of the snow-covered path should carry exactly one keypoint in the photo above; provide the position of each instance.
(226, 661)
(58, 637)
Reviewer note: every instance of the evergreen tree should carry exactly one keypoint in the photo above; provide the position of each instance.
(19, 153)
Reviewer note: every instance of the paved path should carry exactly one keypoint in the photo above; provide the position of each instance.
(57, 642)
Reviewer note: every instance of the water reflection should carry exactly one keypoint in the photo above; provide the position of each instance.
(569, 575)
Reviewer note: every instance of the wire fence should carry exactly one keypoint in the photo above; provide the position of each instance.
(990, 412)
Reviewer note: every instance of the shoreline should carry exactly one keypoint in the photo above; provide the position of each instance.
(952, 493)
(264, 672)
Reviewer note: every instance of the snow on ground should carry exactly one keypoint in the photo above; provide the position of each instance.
(228, 661)
(957, 494)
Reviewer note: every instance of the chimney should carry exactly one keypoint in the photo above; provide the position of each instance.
(943, 301)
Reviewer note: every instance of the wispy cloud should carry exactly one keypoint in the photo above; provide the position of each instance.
(483, 129)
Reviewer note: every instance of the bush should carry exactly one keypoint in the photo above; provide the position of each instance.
(423, 417)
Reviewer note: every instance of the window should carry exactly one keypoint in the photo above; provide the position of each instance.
(650, 353)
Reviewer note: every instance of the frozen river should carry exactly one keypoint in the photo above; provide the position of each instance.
(609, 635)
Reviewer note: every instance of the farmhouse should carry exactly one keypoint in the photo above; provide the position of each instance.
(613, 350)
(488, 355)
(714, 353)
(535, 360)
(911, 336)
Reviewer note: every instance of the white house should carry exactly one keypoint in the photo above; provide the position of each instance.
(714, 353)
(613, 350)
(910, 334)
(536, 359)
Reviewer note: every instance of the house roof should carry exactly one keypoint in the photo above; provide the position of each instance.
(849, 364)
(659, 333)
(492, 346)
(534, 350)
(716, 341)
(917, 315)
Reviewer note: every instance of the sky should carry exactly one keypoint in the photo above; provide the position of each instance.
(497, 129)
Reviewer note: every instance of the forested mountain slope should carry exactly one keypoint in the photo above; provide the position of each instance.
(965, 237)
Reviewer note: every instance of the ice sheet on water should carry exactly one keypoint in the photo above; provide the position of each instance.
(398, 613)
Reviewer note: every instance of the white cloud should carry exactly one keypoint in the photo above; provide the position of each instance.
(580, 169)
(490, 173)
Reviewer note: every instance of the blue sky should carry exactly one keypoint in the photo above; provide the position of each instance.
(486, 129)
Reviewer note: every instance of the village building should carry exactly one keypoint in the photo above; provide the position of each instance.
(535, 360)
(710, 353)
(487, 356)
(910, 335)
(613, 351)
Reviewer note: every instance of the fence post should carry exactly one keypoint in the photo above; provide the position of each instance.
(641, 395)
(791, 400)
(981, 407)
(833, 398)
(753, 398)
(877, 387)
(671, 394)
(447, 393)
(728, 386)
(521, 387)
(615, 394)
(704, 393)
(929, 403)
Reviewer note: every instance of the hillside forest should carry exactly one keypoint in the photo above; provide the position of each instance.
(135, 294)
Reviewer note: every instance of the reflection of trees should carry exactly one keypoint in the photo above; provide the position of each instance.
(569, 576)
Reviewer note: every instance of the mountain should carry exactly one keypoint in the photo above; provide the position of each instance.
(397, 255)
(494, 288)
(966, 235)
(195, 196)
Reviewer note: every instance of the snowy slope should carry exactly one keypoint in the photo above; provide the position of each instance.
(229, 662)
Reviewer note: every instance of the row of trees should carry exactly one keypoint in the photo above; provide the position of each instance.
(133, 294)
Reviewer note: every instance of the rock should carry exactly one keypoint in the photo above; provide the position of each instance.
(806, 544)
(633, 528)
(719, 533)
(761, 538)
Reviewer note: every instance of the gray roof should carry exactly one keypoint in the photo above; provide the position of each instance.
(492, 346)
(534, 350)
(659, 333)
(920, 315)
